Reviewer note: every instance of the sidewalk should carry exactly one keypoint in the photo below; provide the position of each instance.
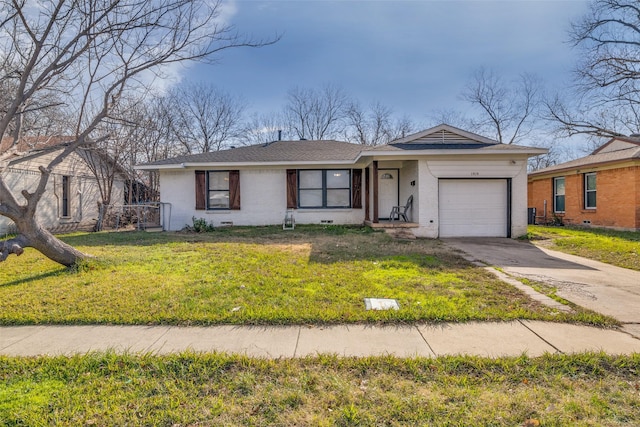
(477, 338)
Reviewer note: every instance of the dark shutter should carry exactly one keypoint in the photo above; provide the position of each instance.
(292, 189)
(367, 195)
(234, 190)
(356, 188)
(201, 190)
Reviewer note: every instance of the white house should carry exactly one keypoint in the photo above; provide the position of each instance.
(72, 195)
(462, 184)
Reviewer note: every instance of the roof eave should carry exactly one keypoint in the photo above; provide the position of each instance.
(543, 173)
(177, 166)
(448, 152)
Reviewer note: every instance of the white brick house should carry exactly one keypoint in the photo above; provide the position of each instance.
(462, 184)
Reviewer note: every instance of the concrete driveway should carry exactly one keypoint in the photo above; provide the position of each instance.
(609, 290)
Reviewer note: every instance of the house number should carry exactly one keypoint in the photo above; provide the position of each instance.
(475, 173)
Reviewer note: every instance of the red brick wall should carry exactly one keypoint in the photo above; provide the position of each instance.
(617, 193)
(637, 181)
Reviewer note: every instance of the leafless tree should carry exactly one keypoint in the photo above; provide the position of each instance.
(452, 117)
(265, 127)
(605, 100)
(151, 140)
(316, 114)
(376, 125)
(87, 54)
(203, 117)
(556, 153)
(506, 110)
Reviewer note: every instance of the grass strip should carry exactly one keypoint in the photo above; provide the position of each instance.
(259, 275)
(218, 389)
(619, 248)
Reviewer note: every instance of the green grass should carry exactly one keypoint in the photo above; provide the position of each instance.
(620, 248)
(214, 389)
(258, 276)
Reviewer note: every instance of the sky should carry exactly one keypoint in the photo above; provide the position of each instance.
(414, 57)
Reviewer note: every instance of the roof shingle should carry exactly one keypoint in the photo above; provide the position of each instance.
(593, 159)
(278, 151)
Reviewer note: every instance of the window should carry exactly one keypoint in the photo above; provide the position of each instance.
(330, 188)
(66, 194)
(217, 190)
(558, 194)
(589, 190)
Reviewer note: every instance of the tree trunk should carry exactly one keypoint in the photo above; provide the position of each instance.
(31, 234)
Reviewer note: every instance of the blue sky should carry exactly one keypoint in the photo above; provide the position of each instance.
(412, 56)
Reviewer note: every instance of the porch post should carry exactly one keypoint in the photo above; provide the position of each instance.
(375, 191)
(367, 193)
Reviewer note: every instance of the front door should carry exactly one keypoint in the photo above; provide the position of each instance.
(387, 191)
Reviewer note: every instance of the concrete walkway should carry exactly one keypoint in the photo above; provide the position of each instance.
(603, 288)
(478, 338)
(600, 287)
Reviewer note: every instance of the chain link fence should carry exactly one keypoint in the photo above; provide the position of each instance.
(149, 216)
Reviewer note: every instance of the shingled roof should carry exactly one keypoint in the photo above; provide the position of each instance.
(615, 150)
(29, 143)
(278, 151)
(437, 140)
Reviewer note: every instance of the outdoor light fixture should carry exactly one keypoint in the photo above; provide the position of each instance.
(386, 176)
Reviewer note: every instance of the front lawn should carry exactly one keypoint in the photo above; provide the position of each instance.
(621, 248)
(214, 389)
(258, 276)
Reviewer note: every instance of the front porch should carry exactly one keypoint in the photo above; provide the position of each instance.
(391, 192)
(384, 224)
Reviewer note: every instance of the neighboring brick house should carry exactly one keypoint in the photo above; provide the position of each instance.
(601, 189)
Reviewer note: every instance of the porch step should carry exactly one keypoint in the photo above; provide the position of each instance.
(401, 233)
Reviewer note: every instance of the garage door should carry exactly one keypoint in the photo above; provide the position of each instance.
(473, 207)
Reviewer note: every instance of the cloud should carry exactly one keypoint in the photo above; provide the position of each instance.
(167, 76)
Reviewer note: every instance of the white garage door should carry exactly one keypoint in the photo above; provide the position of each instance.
(473, 207)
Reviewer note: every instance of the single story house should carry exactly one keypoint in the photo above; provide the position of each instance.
(601, 189)
(461, 184)
(71, 200)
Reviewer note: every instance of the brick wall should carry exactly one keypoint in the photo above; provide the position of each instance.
(617, 192)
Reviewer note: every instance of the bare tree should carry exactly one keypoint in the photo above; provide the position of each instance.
(316, 114)
(452, 117)
(507, 110)
(262, 128)
(150, 140)
(376, 125)
(556, 153)
(605, 100)
(203, 117)
(88, 54)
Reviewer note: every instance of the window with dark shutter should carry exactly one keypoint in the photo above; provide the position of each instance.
(324, 188)
(292, 189)
(201, 190)
(66, 196)
(367, 195)
(356, 189)
(234, 190)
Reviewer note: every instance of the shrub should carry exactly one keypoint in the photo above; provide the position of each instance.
(200, 225)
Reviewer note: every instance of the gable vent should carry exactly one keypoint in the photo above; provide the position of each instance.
(443, 137)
